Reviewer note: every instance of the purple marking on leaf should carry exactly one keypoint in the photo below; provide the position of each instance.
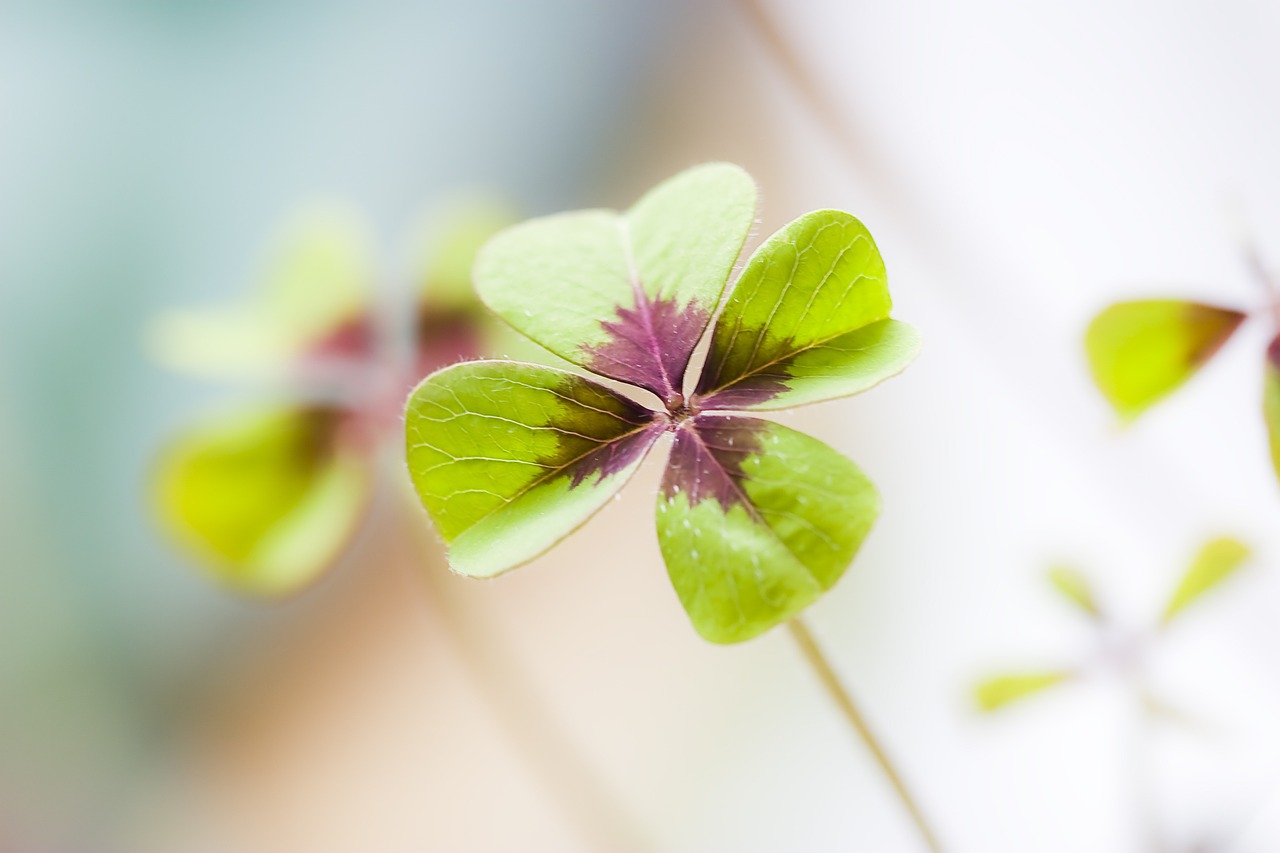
(751, 391)
(649, 345)
(444, 336)
(350, 340)
(1218, 324)
(618, 454)
(706, 459)
(1273, 353)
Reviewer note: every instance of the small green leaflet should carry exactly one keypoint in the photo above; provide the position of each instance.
(1142, 351)
(998, 691)
(1271, 400)
(266, 495)
(624, 295)
(807, 320)
(755, 521)
(510, 458)
(1215, 562)
(1075, 587)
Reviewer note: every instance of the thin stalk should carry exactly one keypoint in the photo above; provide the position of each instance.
(567, 777)
(840, 695)
(1254, 263)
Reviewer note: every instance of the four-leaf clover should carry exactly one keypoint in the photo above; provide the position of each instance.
(755, 520)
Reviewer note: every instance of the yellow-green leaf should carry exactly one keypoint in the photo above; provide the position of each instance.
(1075, 587)
(1215, 562)
(267, 497)
(1271, 400)
(997, 692)
(1141, 351)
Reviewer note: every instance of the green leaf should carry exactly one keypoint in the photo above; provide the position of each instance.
(999, 691)
(1075, 587)
(1215, 562)
(1140, 352)
(510, 458)
(756, 521)
(1271, 400)
(624, 295)
(267, 497)
(447, 245)
(317, 283)
(797, 327)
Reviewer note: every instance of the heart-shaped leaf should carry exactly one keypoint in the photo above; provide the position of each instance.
(510, 458)
(1213, 564)
(807, 321)
(1141, 351)
(269, 496)
(756, 521)
(625, 295)
(999, 691)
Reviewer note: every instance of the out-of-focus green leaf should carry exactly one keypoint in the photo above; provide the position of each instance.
(266, 497)
(317, 283)
(1271, 400)
(447, 246)
(1075, 587)
(510, 458)
(998, 691)
(1141, 351)
(1215, 562)
(806, 321)
(756, 522)
(1160, 708)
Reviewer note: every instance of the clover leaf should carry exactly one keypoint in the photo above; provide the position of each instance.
(1142, 351)
(755, 521)
(1214, 563)
(1000, 690)
(266, 495)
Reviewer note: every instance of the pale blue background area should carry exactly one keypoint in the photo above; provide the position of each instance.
(147, 150)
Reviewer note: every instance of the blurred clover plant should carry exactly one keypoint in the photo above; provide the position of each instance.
(269, 493)
(755, 521)
(1142, 351)
(1215, 562)
(1124, 652)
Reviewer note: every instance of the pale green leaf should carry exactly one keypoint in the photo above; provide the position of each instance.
(267, 497)
(510, 458)
(1213, 564)
(1141, 351)
(998, 691)
(1075, 587)
(1271, 401)
(756, 521)
(798, 326)
(318, 281)
(446, 244)
(624, 295)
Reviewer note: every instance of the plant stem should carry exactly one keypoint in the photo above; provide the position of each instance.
(822, 668)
